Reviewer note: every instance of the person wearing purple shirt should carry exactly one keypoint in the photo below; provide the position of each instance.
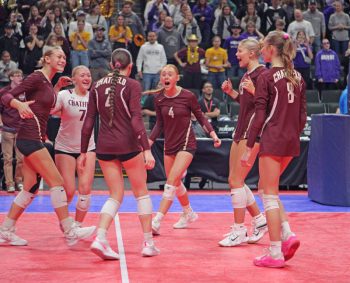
(122, 143)
(252, 32)
(231, 45)
(203, 14)
(40, 96)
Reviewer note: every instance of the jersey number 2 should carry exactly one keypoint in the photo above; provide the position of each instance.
(290, 89)
(107, 104)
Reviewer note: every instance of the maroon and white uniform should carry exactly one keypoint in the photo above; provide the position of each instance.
(127, 133)
(174, 119)
(247, 106)
(280, 113)
(35, 87)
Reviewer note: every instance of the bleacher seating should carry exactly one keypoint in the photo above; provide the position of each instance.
(312, 95)
(315, 108)
(330, 96)
(234, 109)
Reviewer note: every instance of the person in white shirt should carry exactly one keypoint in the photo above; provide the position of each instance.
(150, 60)
(301, 25)
(71, 105)
(73, 26)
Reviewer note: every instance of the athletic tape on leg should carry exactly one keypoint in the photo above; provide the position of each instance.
(181, 190)
(250, 195)
(111, 207)
(270, 202)
(239, 198)
(24, 198)
(144, 205)
(83, 203)
(58, 197)
(169, 192)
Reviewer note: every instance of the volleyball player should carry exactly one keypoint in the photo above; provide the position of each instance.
(280, 116)
(174, 106)
(71, 106)
(241, 196)
(41, 96)
(122, 142)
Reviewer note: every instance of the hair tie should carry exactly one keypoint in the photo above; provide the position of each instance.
(117, 65)
(285, 36)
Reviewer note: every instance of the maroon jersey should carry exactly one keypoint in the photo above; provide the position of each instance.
(127, 133)
(280, 113)
(35, 87)
(174, 119)
(195, 67)
(247, 107)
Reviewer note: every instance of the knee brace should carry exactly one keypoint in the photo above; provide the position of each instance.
(169, 192)
(239, 198)
(58, 197)
(270, 202)
(181, 190)
(111, 207)
(83, 203)
(144, 205)
(24, 198)
(250, 195)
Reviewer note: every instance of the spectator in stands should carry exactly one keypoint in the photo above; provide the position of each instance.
(11, 123)
(60, 17)
(160, 22)
(327, 64)
(175, 9)
(280, 25)
(301, 25)
(79, 41)
(171, 40)
(203, 14)
(120, 34)
(47, 23)
(231, 45)
(61, 39)
(96, 19)
(343, 102)
(85, 7)
(316, 18)
(219, 4)
(154, 13)
(73, 25)
(216, 60)
(339, 24)
(289, 6)
(251, 16)
(189, 26)
(99, 51)
(10, 43)
(24, 7)
(304, 55)
(184, 7)
(149, 110)
(189, 60)
(223, 22)
(252, 32)
(33, 51)
(33, 19)
(17, 27)
(150, 60)
(274, 12)
(7, 66)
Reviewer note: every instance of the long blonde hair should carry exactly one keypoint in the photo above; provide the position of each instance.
(252, 45)
(48, 51)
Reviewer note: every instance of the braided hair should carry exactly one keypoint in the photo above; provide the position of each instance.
(121, 58)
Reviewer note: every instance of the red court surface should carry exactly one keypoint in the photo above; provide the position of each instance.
(189, 255)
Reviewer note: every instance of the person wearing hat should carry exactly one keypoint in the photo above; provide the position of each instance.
(231, 45)
(73, 25)
(96, 19)
(99, 51)
(189, 59)
(317, 20)
(10, 43)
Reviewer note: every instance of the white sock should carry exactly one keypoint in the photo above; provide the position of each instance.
(8, 223)
(276, 248)
(67, 224)
(187, 209)
(239, 226)
(148, 238)
(260, 219)
(159, 216)
(101, 233)
(286, 231)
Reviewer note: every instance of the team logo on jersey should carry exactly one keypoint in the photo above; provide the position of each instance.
(171, 112)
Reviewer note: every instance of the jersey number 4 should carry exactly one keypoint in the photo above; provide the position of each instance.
(171, 112)
(290, 89)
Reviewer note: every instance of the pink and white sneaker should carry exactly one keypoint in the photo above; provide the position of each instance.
(290, 246)
(268, 261)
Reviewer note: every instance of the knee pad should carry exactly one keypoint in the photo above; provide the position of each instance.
(58, 197)
(239, 198)
(270, 202)
(250, 195)
(181, 190)
(111, 207)
(83, 203)
(144, 205)
(24, 198)
(169, 192)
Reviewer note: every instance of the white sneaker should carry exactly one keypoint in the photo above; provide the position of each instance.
(9, 236)
(76, 233)
(102, 249)
(11, 189)
(155, 226)
(258, 232)
(234, 238)
(149, 250)
(185, 219)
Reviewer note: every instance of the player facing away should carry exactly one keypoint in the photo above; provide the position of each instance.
(174, 106)
(241, 196)
(71, 106)
(122, 142)
(40, 96)
(280, 116)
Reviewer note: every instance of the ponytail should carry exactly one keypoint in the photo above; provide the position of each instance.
(111, 95)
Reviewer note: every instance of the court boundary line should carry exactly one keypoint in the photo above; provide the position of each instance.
(122, 259)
